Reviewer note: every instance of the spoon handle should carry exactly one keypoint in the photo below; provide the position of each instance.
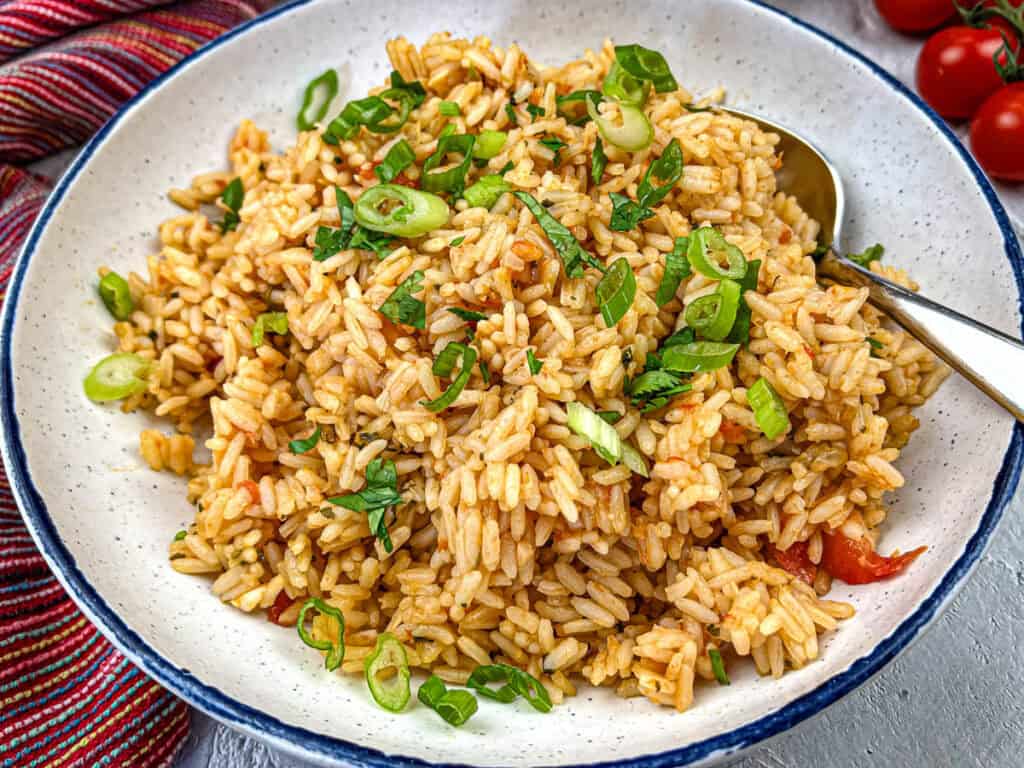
(990, 359)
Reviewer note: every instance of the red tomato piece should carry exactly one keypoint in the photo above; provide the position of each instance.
(252, 488)
(795, 560)
(997, 133)
(856, 562)
(956, 71)
(915, 15)
(281, 604)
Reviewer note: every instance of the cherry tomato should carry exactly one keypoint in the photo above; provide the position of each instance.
(856, 562)
(997, 133)
(915, 15)
(795, 560)
(956, 72)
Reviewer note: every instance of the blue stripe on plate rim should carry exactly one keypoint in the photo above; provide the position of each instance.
(299, 740)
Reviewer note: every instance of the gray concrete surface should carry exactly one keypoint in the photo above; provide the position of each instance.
(953, 700)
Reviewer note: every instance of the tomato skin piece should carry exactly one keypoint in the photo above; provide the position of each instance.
(281, 604)
(856, 562)
(795, 561)
(915, 15)
(997, 134)
(956, 71)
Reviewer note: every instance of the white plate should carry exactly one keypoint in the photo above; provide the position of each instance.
(103, 521)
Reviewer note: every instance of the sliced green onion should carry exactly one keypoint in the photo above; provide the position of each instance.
(456, 707)
(533, 363)
(645, 64)
(449, 109)
(875, 345)
(301, 446)
(401, 307)
(535, 112)
(602, 436)
(699, 356)
(444, 363)
(612, 417)
(713, 315)
(486, 191)
(707, 249)
(457, 241)
(452, 179)
(519, 683)
(623, 87)
(568, 247)
(485, 372)
(371, 111)
(633, 134)
(413, 213)
(393, 692)
(116, 295)
(321, 89)
(740, 333)
(377, 497)
(451, 394)
(631, 458)
(180, 535)
(335, 651)
(769, 409)
(398, 158)
(615, 291)
(232, 197)
(677, 267)
(598, 162)
(488, 144)
(864, 259)
(578, 116)
(668, 168)
(510, 112)
(431, 691)
(116, 377)
(718, 667)
(268, 322)
(374, 112)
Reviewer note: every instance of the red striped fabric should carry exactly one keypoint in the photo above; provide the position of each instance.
(67, 698)
(27, 24)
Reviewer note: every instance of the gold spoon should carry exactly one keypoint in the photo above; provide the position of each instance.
(990, 359)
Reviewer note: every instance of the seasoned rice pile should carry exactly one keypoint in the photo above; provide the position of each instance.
(517, 542)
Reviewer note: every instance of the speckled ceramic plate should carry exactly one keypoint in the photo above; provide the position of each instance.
(103, 521)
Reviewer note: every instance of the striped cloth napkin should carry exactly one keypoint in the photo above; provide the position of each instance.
(67, 698)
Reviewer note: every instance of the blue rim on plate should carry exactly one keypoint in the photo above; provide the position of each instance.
(237, 714)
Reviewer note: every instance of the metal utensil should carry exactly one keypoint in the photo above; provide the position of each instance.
(990, 359)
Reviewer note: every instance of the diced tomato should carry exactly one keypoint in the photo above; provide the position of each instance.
(732, 432)
(856, 562)
(366, 171)
(252, 488)
(527, 251)
(281, 604)
(809, 351)
(405, 181)
(795, 560)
